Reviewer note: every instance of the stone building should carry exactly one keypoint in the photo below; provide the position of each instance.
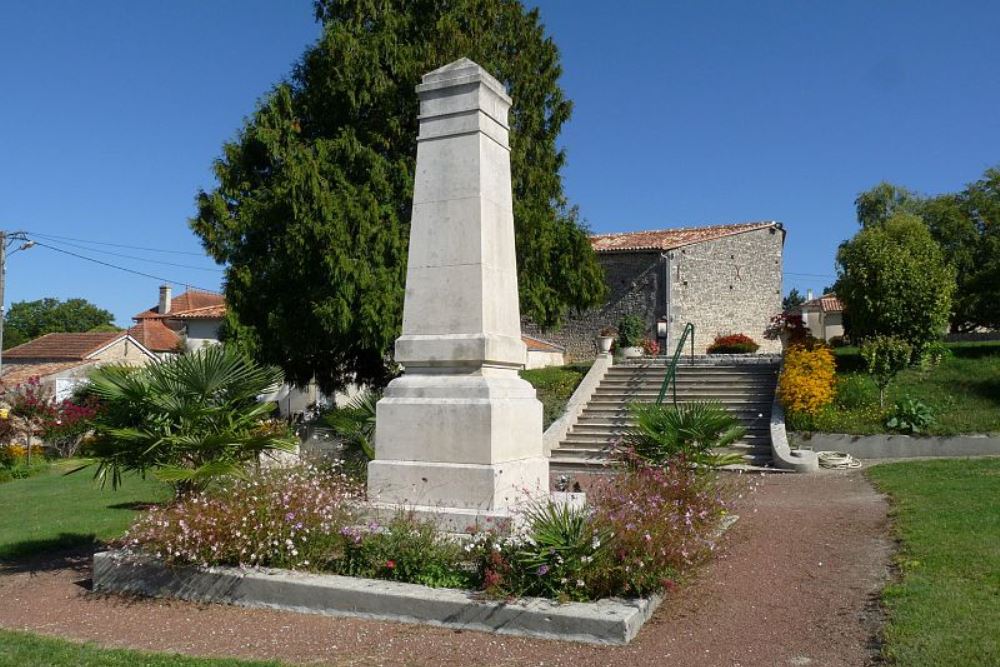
(724, 279)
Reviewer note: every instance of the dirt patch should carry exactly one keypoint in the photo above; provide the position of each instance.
(794, 583)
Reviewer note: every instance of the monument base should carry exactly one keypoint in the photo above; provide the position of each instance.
(457, 496)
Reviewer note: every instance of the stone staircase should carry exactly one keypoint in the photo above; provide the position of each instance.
(744, 385)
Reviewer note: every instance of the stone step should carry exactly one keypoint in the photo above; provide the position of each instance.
(571, 463)
(606, 438)
(690, 373)
(728, 398)
(610, 404)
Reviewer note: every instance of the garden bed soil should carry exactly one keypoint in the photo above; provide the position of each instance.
(795, 583)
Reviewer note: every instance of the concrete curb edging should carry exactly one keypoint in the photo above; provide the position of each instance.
(781, 453)
(557, 430)
(611, 621)
(892, 446)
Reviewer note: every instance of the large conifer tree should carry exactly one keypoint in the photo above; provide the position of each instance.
(312, 208)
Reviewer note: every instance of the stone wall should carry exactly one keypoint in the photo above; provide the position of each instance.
(729, 285)
(636, 286)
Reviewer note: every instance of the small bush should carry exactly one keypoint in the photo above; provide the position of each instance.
(631, 331)
(910, 416)
(855, 391)
(404, 550)
(933, 354)
(562, 554)
(733, 344)
(788, 325)
(885, 357)
(807, 379)
(837, 341)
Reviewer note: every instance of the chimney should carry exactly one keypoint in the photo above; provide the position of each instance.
(164, 307)
(809, 294)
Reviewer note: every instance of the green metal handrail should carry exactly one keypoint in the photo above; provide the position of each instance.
(671, 376)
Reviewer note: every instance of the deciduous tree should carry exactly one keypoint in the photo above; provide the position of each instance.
(894, 281)
(30, 319)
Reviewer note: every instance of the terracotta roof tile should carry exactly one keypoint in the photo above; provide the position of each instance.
(188, 301)
(68, 346)
(668, 239)
(539, 345)
(206, 313)
(154, 335)
(828, 303)
(17, 374)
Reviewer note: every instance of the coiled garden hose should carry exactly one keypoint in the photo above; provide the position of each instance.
(837, 460)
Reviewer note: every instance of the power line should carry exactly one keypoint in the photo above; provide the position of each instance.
(141, 259)
(122, 268)
(810, 275)
(53, 237)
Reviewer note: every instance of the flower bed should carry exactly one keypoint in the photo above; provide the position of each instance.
(642, 531)
(733, 344)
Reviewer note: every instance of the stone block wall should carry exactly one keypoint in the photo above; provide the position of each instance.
(727, 286)
(635, 286)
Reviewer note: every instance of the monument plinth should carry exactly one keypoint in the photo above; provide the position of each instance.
(459, 434)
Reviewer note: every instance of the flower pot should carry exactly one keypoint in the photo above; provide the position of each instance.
(604, 343)
(632, 352)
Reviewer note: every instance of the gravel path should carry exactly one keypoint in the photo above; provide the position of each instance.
(794, 584)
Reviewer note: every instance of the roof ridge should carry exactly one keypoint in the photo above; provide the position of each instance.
(731, 225)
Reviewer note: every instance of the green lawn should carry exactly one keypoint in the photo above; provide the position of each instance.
(945, 610)
(18, 649)
(555, 385)
(51, 511)
(963, 393)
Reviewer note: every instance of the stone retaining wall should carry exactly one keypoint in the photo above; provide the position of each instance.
(885, 446)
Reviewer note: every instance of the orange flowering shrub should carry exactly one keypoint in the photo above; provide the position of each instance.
(808, 380)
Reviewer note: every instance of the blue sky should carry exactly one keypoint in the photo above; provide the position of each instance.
(685, 114)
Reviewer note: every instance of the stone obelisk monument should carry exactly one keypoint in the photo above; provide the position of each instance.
(459, 434)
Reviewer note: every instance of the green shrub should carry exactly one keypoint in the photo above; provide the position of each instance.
(664, 433)
(910, 416)
(631, 331)
(854, 391)
(562, 552)
(405, 549)
(885, 357)
(933, 354)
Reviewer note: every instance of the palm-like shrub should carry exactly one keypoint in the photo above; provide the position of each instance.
(690, 431)
(189, 420)
(355, 422)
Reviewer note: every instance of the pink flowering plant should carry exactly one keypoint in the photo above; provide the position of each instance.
(280, 517)
(662, 520)
(643, 529)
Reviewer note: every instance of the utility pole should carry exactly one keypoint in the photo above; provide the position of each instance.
(6, 238)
